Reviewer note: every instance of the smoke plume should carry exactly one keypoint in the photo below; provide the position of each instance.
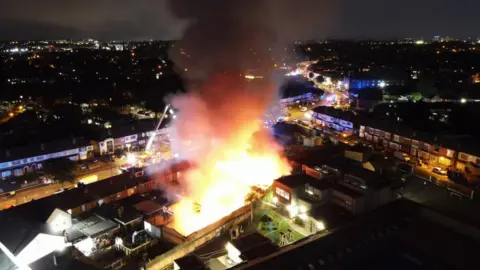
(223, 39)
(219, 123)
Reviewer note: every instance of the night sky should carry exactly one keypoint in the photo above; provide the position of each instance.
(144, 19)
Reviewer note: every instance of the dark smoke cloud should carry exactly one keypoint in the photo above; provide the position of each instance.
(222, 35)
(222, 40)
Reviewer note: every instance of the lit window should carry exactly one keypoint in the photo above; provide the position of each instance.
(282, 193)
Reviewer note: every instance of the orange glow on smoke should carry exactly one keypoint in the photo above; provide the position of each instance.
(219, 128)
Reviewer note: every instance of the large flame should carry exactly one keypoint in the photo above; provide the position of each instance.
(223, 134)
(224, 184)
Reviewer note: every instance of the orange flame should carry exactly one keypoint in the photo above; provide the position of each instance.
(219, 128)
(225, 186)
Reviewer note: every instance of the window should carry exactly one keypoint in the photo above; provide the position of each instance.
(388, 136)
(436, 148)
(282, 193)
(450, 153)
(426, 146)
(415, 143)
(396, 138)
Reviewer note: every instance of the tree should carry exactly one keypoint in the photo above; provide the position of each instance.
(417, 96)
(61, 169)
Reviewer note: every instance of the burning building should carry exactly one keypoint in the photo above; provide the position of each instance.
(219, 124)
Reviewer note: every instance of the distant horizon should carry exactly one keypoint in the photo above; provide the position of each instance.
(154, 19)
(454, 38)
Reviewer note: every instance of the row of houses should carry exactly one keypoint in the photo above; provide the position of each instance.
(20, 160)
(347, 179)
(455, 152)
(88, 219)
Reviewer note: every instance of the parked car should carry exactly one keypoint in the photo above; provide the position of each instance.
(84, 167)
(439, 171)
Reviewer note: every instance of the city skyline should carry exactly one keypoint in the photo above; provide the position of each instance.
(149, 19)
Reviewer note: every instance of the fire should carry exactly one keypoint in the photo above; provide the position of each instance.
(219, 128)
(225, 186)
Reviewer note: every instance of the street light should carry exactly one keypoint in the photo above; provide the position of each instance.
(463, 100)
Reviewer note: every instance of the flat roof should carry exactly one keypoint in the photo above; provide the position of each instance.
(94, 226)
(190, 262)
(148, 207)
(295, 180)
(123, 214)
(249, 241)
(349, 192)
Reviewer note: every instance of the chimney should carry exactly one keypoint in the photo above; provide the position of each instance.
(42, 146)
(74, 140)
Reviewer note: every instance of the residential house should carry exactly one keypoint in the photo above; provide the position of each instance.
(335, 119)
(20, 160)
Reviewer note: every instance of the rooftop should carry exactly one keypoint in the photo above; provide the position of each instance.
(349, 192)
(190, 262)
(34, 150)
(254, 245)
(336, 113)
(40, 210)
(295, 180)
(92, 226)
(120, 211)
(148, 207)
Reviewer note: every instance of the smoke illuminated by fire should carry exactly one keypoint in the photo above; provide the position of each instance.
(219, 126)
(229, 146)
